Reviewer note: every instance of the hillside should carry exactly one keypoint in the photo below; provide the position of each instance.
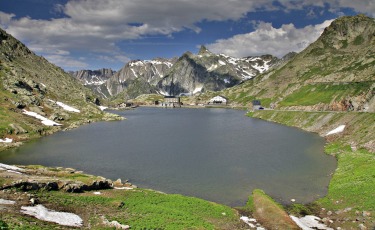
(30, 83)
(335, 73)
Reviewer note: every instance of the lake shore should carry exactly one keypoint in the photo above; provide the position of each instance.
(350, 201)
(336, 209)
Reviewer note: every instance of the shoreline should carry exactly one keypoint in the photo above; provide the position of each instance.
(320, 132)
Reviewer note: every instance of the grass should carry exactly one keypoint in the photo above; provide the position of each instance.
(353, 183)
(146, 209)
(358, 40)
(324, 93)
(268, 212)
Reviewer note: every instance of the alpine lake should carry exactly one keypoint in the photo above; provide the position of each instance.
(216, 154)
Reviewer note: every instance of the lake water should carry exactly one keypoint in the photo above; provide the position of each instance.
(216, 154)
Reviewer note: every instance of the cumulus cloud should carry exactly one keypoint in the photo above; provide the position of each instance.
(269, 40)
(96, 26)
(62, 60)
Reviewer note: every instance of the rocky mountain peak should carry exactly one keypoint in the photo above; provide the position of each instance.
(204, 51)
(349, 30)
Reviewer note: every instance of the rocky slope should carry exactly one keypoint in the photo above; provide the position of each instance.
(335, 73)
(30, 83)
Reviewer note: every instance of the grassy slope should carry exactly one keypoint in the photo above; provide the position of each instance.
(139, 208)
(353, 183)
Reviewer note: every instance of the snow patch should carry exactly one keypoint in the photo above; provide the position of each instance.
(45, 121)
(197, 90)
(66, 107)
(7, 202)
(212, 67)
(164, 93)
(226, 81)
(123, 188)
(6, 140)
(102, 107)
(261, 68)
(135, 75)
(221, 62)
(136, 63)
(10, 167)
(62, 218)
(310, 222)
(336, 130)
(249, 221)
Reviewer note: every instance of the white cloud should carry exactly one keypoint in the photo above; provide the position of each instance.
(5, 19)
(269, 40)
(96, 26)
(66, 61)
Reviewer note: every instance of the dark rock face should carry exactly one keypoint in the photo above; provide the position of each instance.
(94, 80)
(93, 77)
(193, 74)
(67, 186)
(139, 77)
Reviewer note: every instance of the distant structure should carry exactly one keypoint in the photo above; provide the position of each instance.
(257, 105)
(218, 100)
(172, 101)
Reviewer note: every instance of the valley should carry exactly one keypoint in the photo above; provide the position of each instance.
(329, 86)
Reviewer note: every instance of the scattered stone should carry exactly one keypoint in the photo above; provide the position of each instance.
(347, 209)
(97, 193)
(71, 170)
(34, 201)
(362, 227)
(101, 184)
(366, 213)
(17, 129)
(117, 182)
(122, 204)
(293, 200)
(329, 213)
(114, 224)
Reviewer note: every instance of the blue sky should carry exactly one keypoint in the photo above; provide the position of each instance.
(93, 34)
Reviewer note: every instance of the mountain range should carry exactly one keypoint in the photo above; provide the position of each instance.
(187, 75)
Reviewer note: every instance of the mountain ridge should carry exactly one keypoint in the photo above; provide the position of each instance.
(324, 76)
(187, 75)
